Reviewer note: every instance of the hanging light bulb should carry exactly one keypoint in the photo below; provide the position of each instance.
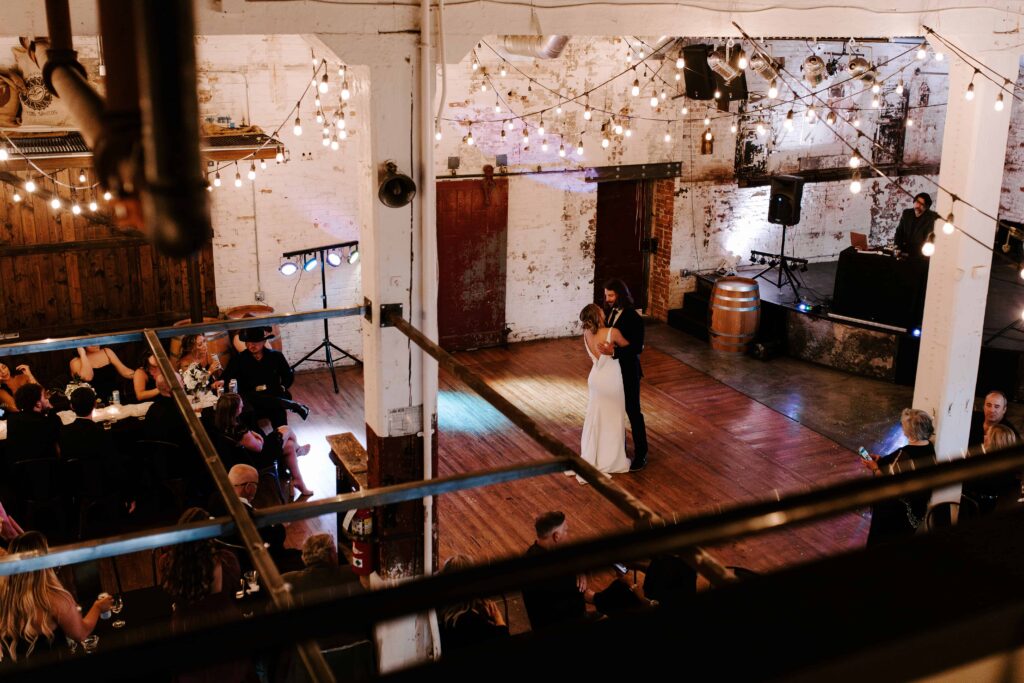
(469, 138)
(263, 164)
(30, 186)
(742, 62)
(483, 87)
(663, 95)
(340, 122)
(856, 118)
(558, 110)
(1022, 273)
(679, 76)
(855, 159)
(81, 176)
(773, 89)
(605, 141)
(238, 176)
(910, 121)
(297, 128)
(55, 202)
(928, 248)
(788, 123)
(617, 128)
(642, 54)
(654, 99)
(708, 136)
(345, 92)
(707, 120)
(497, 107)
(680, 62)
(939, 56)
(579, 148)
(437, 133)
(526, 136)
(830, 118)
(629, 130)
(503, 136)
(718, 94)
(324, 86)
(899, 86)
(544, 144)
(312, 58)
(811, 113)
(334, 144)
(107, 196)
(16, 197)
(216, 179)
(4, 156)
(93, 206)
(540, 128)
(733, 127)
(876, 88)
(999, 101)
(685, 110)
(316, 102)
(509, 124)
(343, 135)
(969, 95)
(76, 209)
(668, 134)
(855, 184)
(252, 171)
(561, 150)
(476, 65)
(341, 71)
(635, 90)
(587, 113)
(948, 226)
(875, 102)
(319, 116)
(921, 52)
(761, 130)
(504, 70)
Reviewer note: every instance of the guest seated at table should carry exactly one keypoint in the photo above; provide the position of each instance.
(194, 350)
(916, 224)
(59, 401)
(245, 480)
(9, 529)
(472, 621)
(898, 518)
(164, 421)
(34, 431)
(263, 377)
(999, 491)
(37, 613)
(993, 412)
(558, 599)
(144, 378)
(101, 368)
(324, 571)
(201, 578)
(10, 383)
(238, 443)
(83, 438)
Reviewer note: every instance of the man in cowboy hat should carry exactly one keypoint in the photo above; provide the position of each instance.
(263, 377)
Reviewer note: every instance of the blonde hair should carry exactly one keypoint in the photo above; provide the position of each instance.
(592, 317)
(999, 436)
(28, 601)
(917, 424)
(451, 613)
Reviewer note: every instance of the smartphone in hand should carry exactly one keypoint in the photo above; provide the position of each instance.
(865, 456)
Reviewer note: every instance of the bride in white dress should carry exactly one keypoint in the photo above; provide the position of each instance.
(604, 429)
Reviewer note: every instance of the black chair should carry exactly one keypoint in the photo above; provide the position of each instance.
(941, 515)
(157, 485)
(97, 494)
(40, 498)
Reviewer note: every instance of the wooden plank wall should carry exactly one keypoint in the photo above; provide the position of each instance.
(61, 273)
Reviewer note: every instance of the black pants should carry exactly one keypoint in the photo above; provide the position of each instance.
(631, 384)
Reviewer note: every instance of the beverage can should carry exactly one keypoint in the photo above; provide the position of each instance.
(104, 615)
(115, 397)
(233, 386)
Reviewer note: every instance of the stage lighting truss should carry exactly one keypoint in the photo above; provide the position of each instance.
(328, 255)
(766, 258)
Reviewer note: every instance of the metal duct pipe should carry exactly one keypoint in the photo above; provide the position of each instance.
(175, 202)
(541, 47)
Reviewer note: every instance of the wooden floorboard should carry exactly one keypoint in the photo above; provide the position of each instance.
(711, 448)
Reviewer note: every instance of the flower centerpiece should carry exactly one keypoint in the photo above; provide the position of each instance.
(195, 378)
(75, 383)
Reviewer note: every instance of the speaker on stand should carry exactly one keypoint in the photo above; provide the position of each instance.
(787, 192)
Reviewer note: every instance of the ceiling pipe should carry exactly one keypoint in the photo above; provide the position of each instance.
(540, 47)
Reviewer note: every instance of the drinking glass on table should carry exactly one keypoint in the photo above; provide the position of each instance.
(89, 644)
(251, 578)
(116, 608)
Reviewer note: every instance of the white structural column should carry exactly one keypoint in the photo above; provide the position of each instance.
(390, 247)
(973, 152)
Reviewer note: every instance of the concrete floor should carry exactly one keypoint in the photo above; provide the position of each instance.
(852, 411)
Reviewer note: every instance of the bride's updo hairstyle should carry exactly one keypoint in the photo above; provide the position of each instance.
(592, 317)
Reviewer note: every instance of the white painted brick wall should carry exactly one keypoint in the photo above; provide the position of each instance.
(310, 201)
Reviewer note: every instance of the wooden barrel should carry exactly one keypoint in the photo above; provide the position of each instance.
(248, 311)
(217, 342)
(734, 314)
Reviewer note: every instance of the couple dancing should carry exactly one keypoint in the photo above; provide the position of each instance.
(614, 339)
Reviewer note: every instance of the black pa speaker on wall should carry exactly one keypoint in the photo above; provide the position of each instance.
(784, 203)
(700, 79)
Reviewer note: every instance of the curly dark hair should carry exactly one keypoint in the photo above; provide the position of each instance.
(189, 568)
(622, 295)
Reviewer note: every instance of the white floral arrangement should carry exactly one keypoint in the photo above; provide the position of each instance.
(75, 384)
(195, 378)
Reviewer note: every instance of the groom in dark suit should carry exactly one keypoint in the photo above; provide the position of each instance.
(620, 313)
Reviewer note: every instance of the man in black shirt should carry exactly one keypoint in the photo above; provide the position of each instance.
(83, 438)
(558, 599)
(33, 431)
(916, 225)
(993, 412)
(263, 377)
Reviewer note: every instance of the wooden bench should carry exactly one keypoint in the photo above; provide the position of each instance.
(350, 461)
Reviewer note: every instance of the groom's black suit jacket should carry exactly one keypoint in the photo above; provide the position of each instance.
(631, 325)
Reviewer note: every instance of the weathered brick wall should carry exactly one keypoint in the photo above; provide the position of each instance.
(662, 226)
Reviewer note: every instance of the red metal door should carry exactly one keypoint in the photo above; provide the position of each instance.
(619, 245)
(472, 231)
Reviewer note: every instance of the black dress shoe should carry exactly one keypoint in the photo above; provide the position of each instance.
(637, 464)
(302, 410)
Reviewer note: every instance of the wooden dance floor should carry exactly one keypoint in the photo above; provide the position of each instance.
(711, 448)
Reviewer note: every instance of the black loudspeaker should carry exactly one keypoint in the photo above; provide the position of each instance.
(700, 79)
(396, 189)
(784, 203)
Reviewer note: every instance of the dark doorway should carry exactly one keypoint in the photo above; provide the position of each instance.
(621, 245)
(472, 231)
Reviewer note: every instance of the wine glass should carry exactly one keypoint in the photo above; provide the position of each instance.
(89, 644)
(251, 579)
(116, 606)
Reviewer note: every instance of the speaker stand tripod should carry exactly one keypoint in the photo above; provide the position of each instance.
(326, 344)
(781, 262)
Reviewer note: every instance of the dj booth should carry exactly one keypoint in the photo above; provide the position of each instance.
(877, 287)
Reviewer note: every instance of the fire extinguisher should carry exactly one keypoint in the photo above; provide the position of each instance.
(361, 528)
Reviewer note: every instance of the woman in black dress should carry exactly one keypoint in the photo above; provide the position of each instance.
(899, 518)
(471, 622)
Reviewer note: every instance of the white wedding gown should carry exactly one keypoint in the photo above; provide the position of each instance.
(604, 429)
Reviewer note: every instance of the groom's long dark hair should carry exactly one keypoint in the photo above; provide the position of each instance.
(622, 296)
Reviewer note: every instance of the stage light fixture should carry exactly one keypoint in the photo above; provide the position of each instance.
(288, 268)
(310, 264)
(353, 255)
(333, 259)
(916, 332)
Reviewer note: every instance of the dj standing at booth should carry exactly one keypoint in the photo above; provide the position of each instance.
(916, 225)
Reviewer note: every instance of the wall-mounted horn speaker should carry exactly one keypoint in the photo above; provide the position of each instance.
(396, 189)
